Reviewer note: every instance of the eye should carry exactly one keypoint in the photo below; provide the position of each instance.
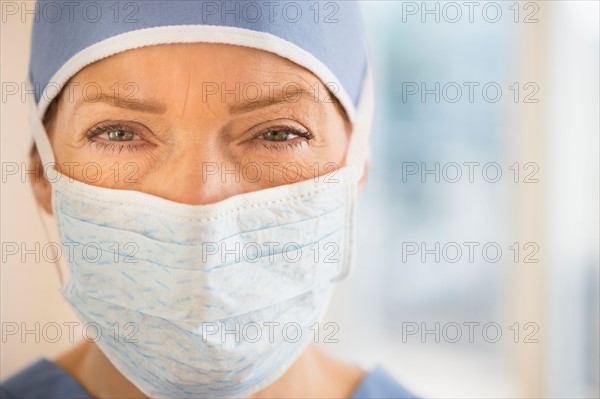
(120, 135)
(113, 133)
(116, 136)
(283, 135)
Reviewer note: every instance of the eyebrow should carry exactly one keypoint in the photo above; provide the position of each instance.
(293, 96)
(239, 107)
(129, 103)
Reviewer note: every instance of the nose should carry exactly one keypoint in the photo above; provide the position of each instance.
(203, 174)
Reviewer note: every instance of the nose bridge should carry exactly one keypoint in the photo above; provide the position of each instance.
(204, 174)
(214, 181)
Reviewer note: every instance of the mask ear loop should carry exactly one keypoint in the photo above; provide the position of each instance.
(44, 149)
(358, 149)
(56, 259)
(358, 153)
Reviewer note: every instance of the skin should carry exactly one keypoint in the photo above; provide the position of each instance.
(165, 134)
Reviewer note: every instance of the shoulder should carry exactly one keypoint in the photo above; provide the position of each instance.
(379, 384)
(42, 379)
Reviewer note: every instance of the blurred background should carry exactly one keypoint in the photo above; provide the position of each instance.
(478, 271)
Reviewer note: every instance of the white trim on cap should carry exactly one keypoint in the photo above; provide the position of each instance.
(191, 34)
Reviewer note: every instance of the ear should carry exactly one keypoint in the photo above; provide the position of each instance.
(42, 190)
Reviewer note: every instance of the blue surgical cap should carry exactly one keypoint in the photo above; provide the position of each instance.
(327, 38)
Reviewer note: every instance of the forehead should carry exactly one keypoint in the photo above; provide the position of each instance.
(168, 66)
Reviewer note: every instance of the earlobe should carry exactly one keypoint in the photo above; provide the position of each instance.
(42, 190)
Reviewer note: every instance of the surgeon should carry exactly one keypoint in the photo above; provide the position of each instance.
(210, 155)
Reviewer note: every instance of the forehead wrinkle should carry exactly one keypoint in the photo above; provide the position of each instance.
(187, 93)
(302, 74)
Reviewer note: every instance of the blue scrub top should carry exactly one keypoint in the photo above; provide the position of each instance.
(45, 380)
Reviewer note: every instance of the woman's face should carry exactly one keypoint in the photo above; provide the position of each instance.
(196, 123)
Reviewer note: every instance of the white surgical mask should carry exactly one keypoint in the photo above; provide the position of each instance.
(207, 300)
(211, 300)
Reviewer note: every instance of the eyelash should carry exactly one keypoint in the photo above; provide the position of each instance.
(111, 145)
(282, 145)
(269, 145)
